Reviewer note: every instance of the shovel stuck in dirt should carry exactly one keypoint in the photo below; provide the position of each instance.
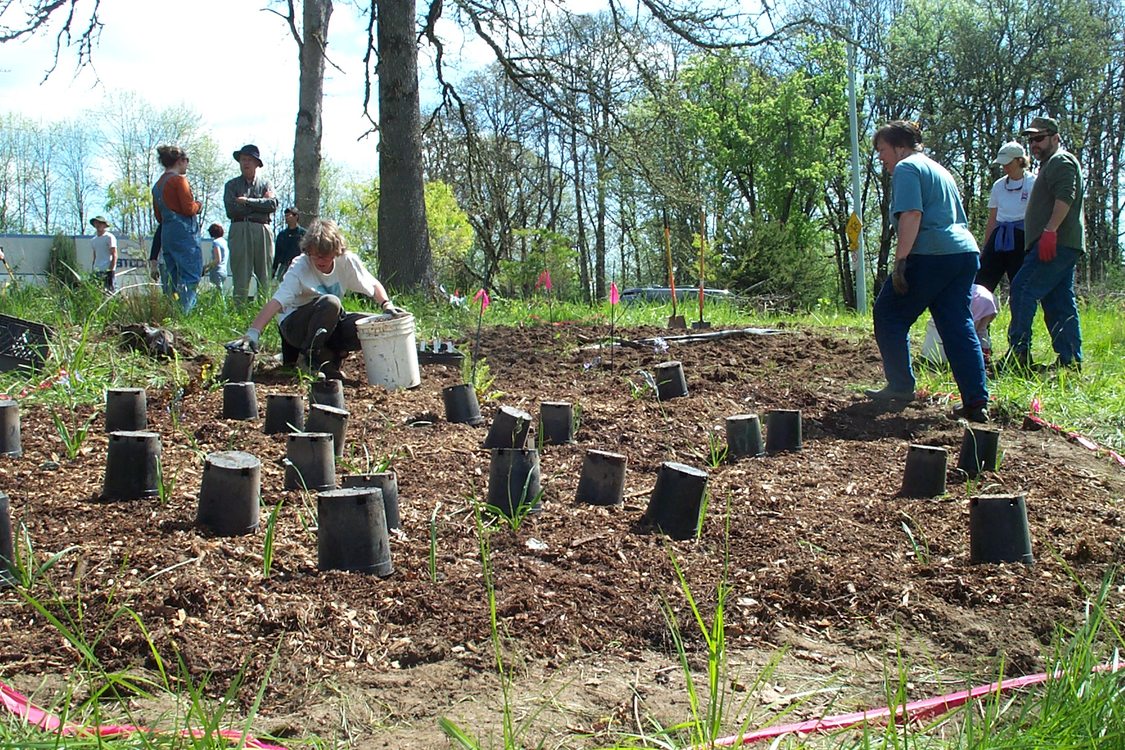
(674, 321)
(701, 323)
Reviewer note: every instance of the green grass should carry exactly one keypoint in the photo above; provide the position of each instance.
(1091, 402)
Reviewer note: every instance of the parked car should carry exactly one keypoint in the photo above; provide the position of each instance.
(664, 294)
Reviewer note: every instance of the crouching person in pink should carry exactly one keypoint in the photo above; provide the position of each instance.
(311, 319)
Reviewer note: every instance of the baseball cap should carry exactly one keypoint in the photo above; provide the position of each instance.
(1009, 151)
(1039, 125)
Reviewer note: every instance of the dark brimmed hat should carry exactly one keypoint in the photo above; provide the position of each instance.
(249, 150)
(293, 210)
(99, 218)
(1041, 125)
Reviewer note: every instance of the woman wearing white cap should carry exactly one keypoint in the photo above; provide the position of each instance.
(1003, 250)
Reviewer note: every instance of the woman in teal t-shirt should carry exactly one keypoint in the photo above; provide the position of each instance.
(936, 261)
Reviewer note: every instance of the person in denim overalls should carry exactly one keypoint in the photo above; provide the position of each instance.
(178, 213)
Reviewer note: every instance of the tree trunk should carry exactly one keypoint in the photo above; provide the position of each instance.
(306, 142)
(404, 243)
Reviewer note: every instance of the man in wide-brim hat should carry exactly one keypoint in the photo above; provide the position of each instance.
(250, 203)
(104, 245)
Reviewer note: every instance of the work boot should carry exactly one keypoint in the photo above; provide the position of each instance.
(977, 414)
(332, 368)
(1016, 362)
(886, 393)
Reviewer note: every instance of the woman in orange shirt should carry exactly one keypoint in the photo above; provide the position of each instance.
(178, 213)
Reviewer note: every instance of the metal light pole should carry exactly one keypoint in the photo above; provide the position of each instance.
(855, 221)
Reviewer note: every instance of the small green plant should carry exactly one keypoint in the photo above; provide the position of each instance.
(26, 570)
(73, 435)
(480, 378)
(433, 543)
(267, 544)
(716, 449)
(521, 507)
(919, 545)
(164, 484)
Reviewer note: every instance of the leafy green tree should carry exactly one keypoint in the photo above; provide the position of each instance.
(451, 235)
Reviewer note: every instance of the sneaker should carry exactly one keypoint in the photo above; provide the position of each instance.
(977, 414)
(887, 393)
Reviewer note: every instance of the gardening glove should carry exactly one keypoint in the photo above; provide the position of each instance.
(248, 342)
(898, 278)
(394, 310)
(1048, 245)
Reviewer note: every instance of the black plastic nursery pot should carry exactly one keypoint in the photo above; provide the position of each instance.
(352, 531)
(980, 450)
(676, 504)
(327, 393)
(510, 427)
(998, 530)
(602, 481)
(461, 406)
(240, 401)
(556, 423)
(924, 475)
(513, 480)
(783, 430)
(387, 482)
(10, 429)
(126, 409)
(238, 366)
(309, 461)
(7, 549)
(132, 465)
(229, 493)
(324, 418)
(285, 412)
(744, 436)
(670, 381)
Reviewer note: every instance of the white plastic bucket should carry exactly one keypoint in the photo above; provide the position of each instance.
(389, 351)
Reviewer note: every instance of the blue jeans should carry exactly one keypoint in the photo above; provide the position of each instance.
(942, 283)
(1051, 284)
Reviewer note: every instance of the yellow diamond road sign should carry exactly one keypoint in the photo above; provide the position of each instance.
(853, 229)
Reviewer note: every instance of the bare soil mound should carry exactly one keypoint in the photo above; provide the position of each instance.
(811, 542)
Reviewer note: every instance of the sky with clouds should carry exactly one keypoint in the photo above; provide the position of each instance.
(230, 61)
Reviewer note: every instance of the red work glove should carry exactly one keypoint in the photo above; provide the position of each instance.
(1048, 245)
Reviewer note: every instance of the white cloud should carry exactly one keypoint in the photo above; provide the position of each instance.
(228, 60)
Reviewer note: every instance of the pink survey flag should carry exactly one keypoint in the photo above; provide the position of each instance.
(614, 297)
(544, 280)
(482, 297)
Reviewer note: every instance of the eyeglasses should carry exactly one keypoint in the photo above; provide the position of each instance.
(1037, 138)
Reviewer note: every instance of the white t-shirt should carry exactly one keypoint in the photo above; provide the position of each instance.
(103, 244)
(982, 305)
(1009, 197)
(220, 243)
(302, 283)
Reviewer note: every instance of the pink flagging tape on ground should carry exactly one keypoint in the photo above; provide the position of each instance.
(19, 705)
(1082, 440)
(920, 710)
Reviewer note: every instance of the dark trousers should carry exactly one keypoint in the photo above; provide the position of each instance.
(321, 329)
(995, 266)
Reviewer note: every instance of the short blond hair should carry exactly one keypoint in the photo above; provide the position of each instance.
(324, 239)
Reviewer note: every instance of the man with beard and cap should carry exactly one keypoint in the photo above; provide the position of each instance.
(250, 203)
(1055, 237)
